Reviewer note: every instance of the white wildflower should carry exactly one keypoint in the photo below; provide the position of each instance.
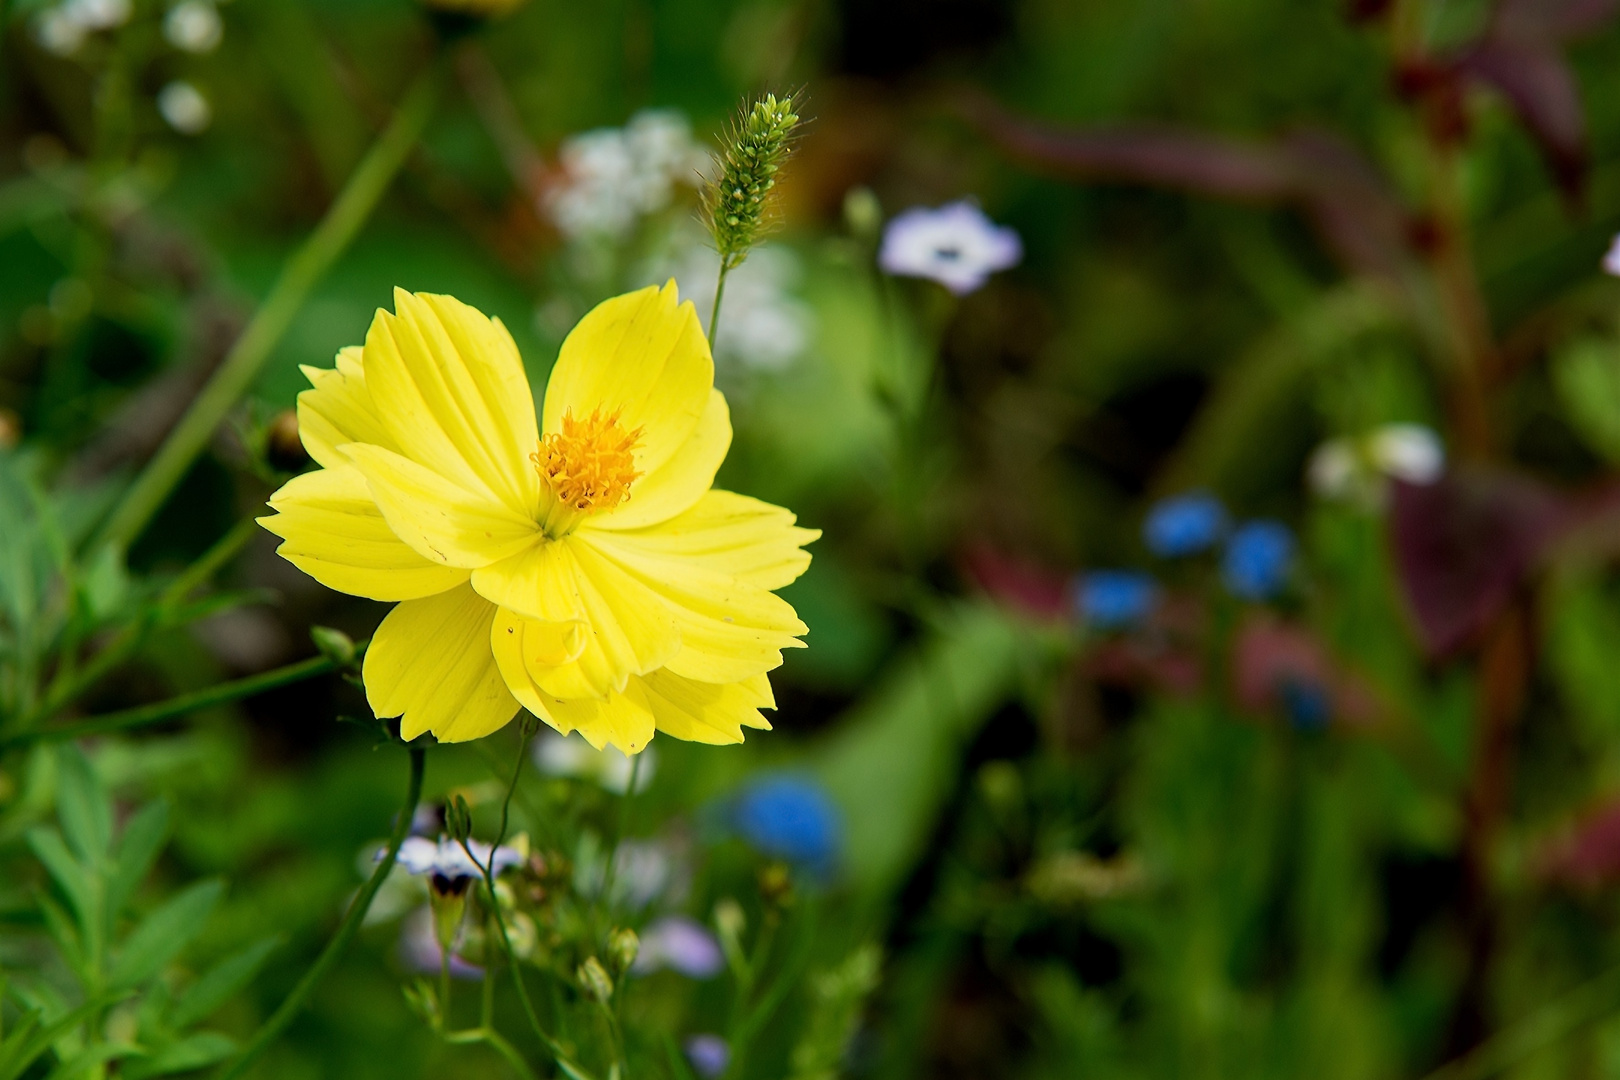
(194, 26)
(184, 107)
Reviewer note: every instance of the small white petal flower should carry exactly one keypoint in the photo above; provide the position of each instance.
(613, 177)
(420, 952)
(572, 756)
(1611, 261)
(194, 26)
(1409, 452)
(445, 857)
(955, 245)
(1359, 470)
(59, 32)
(184, 107)
(99, 14)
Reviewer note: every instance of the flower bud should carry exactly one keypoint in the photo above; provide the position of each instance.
(283, 446)
(457, 818)
(863, 214)
(335, 645)
(623, 945)
(594, 981)
(776, 884)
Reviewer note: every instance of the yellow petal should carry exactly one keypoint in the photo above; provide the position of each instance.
(339, 410)
(449, 386)
(643, 356)
(729, 629)
(333, 531)
(538, 582)
(679, 482)
(622, 719)
(713, 713)
(629, 630)
(444, 523)
(750, 540)
(430, 664)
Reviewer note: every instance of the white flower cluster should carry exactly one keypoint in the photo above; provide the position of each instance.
(572, 756)
(611, 178)
(194, 26)
(764, 326)
(63, 28)
(1358, 470)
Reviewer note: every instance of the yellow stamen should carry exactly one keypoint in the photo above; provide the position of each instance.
(590, 464)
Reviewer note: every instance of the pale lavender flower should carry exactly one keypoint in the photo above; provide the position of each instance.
(955, 245)
(681, 944)
(1611, 261)
(446, 859)
(708, 1054)
(419, 948)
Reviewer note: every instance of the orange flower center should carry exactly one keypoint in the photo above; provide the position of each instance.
(589, 464)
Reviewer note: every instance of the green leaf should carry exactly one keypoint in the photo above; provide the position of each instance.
(70, 877)
(137, 849)
(193, 1052)
(164, 933)
(25, 1045)
(220, 983)
(88, 1058)
(66, 938)
(1587, 376)
(83, 807)
(105, 585)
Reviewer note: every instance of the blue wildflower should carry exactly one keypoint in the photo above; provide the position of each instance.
(1110, 599)
(1258, 557)
(789, 818)
(1184, 524)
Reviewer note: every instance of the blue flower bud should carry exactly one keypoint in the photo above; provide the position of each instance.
(1110, 599)
(1184, 524)
(1258, 558)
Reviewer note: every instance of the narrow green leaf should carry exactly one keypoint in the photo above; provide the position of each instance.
(193, 1052)
(164, 933)
(11, 1048)
(85, 1060)
(27, 1051)
(71, 878)
(137, 849)
(67, 939)
(83, 806)
(220, 984)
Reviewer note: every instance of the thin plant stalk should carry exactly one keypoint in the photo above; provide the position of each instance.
(66, 690)
(488, 871)
(144, 715)
(299, 276)
(714, 312)
(278, 1021)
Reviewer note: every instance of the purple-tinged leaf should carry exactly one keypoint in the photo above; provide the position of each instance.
(1464, 545)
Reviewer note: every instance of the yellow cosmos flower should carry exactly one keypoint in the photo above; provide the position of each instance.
(581, 566)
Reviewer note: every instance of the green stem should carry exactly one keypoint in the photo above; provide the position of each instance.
(298, 278)
(488, 870)
(714, 312)
(1587, 1004)
(492, 1038)
(294, 1001)
(142, 715)
(65, 691)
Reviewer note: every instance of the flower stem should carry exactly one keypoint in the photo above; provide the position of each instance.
(714, 312)
(64, 691)
(494, 1039)
(142, 715)
(488, 870)
(299, 276)
(271, 1028)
